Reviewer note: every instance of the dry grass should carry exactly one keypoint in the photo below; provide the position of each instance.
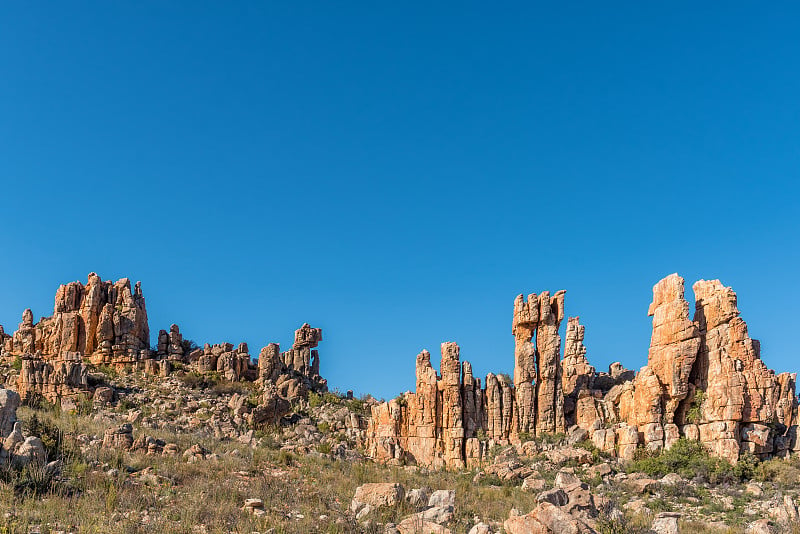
(131, 492)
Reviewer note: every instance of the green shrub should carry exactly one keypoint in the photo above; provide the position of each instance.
(689, 459)
(553, 439)
(525, 436)
(125, 404)
(84, 405)
(17, 363)
(34, 479)
(695, 414)
(314, 399)
(37, 401)
(195, 380)
(747, 466)
(783, 472)
(188, 346)
(107, 370)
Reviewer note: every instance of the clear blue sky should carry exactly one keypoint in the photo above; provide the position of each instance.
(396, 173)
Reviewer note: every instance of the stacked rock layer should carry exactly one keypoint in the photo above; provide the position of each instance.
(704, 380)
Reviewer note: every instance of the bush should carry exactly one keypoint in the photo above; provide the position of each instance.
(782, 472)
(747, 466)
(84, 405)
(597, 454)
(34, 479)
(125, 405)
(314, 399)
(525, 436)
(688, 459)
(210, 380)
(694, 415)
(188, 346)
(37, 401)
(52, 438)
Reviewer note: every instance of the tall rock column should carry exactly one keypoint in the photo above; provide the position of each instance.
(786, 400)
(549, 397)
(493, 410)
(523, 327)
(301, 358)
(94, 298)
(24, 341)
(577, 376)
(674, 343)
(269, 362)
(471, 400)
(452, 407)
(422, 425)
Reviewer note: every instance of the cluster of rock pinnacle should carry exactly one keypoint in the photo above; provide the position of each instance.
(704, 380)
(105, 323)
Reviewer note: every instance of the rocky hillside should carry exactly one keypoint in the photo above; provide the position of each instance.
(102, 432)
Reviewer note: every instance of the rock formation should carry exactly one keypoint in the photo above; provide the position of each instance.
(170, 344)
(105, 323)
(301, 357)
(704, 380)
(673, 345)
(53, 379)
(16, 450)
(429, 426)
(576, 374)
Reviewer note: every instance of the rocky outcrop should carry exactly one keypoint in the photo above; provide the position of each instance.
(16, 450)
(301, 358)
(53, 379)
(430, 426)
(704, 380)
(741, 395)
(4, 338)
(106, 321)
(270, 364)
(170, 344)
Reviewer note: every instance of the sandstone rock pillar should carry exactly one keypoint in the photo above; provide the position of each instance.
(674, 343)
(549, 397)
(452, 407)
(525, 321)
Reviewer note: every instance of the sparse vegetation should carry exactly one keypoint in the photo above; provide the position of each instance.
(690, 460)
(784, 473)
(188, 346)
(694, 414)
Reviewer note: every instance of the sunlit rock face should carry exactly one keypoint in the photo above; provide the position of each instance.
(105, 323)
(103, 320)
(704, 380)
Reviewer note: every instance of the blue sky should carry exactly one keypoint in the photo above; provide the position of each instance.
(396, 173)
